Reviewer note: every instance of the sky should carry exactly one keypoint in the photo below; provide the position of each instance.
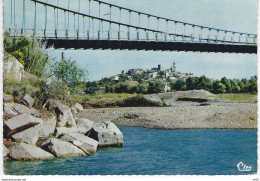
(234, 15)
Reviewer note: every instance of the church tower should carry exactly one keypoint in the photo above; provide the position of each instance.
(174, 67)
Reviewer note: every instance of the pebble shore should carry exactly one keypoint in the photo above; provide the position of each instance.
(183, 115)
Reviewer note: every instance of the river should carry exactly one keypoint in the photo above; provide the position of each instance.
(157, 152)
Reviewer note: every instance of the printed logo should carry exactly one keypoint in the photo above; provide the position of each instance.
(243, 167)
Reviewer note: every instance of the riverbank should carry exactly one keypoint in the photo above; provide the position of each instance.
(181, 115)
(53, 131)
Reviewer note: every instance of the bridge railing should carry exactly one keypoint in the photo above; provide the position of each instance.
(125, 35)
(56, 22)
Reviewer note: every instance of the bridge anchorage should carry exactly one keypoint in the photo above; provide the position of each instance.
(100, 25)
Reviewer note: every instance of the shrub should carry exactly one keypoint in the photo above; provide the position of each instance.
(30, 52)
(155, 87)
(70, 75)
(137, 101)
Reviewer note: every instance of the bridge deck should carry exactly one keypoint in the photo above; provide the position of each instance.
(149, 45)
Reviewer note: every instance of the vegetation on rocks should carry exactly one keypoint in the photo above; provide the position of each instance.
(47, 78)
(30, 52)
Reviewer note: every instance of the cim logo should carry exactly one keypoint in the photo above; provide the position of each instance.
(243, 167)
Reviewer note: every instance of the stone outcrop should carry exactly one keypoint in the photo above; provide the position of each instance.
(48, 126)
(13, 70)
(76, 108)
(15, 109)
(23, 151)
(53, 133)
(28, 101)
(29, 136)
(5, 151)
(106, 133)
(63, 112)
(84, 125)
(29, 76)
(7, 98)
(62, 130)
(20, 123)
(81, 141)
(61, 148)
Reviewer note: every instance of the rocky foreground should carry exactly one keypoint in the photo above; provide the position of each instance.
(182, 110)
(54, 131)
(58, 130)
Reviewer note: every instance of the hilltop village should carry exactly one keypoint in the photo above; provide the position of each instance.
(153, 74)
(153, 80)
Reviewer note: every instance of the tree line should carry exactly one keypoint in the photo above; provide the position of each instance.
(223, 85)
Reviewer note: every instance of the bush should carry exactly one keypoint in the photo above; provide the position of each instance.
(137, 101)
(155, 87)
(70, 76)
(30, 52)
(91, 87)
(218, 87)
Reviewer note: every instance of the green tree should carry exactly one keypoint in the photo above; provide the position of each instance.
(155, 87)
(227, 84)
(70, 74)
(252, 88)
(203, 83)
(191, 83)
(91, 87)
(218, 87)
(178, 85)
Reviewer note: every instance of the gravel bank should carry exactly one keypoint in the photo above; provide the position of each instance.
(183, 115)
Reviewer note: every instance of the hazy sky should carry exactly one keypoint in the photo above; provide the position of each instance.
(234, 15)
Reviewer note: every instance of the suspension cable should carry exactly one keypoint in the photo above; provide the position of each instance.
(74, 28)
(89, 14)
(57, 15)
(99, 4)
(110, 17)
(68, 16)
(11, 13)
(24, 21)
(35, 18)
(78, 15)
(45, 24)
(14, 13)
(65, 20)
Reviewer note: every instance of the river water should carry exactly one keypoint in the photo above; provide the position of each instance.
(157, 152)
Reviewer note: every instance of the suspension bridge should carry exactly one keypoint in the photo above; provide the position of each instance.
(94, 24)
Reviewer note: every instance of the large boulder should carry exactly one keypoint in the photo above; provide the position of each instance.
(48, 126)
(76, 108)
(61, 148)
(63, 112)
(63, 130)
(81, 141)
(28, 101)
(106, 133)
(20, 123)
(30, 135)
(13, 70)
(9, 110)
(15, 109)
(29, 76)
(23, 151)
(84, 125)
(7, 98)
(5, 151)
